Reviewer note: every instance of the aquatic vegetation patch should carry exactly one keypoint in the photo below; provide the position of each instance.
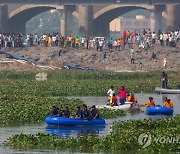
(124, 137)
(108, 113)
(17, 110)
(80, 83)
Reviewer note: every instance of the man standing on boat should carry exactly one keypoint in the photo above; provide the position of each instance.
(164, 80)
(122, 94)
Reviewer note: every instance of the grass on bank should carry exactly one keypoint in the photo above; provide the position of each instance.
(124, 137)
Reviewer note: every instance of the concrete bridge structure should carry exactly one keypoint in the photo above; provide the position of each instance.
(92, 19)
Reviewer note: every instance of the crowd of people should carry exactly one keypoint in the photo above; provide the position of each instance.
(144, 39)
(81, 113)
(135, 42)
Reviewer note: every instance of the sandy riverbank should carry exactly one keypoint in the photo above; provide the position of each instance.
(117, 60)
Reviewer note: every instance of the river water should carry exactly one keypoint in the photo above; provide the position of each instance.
(6, 132)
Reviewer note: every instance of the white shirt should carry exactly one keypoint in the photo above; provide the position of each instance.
(153, 36)
(83, 40)
(161, 37)
(54, 38)
(101, 43)
(110, 92)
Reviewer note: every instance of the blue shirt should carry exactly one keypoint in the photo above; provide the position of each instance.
(79, 113)
(54, 112)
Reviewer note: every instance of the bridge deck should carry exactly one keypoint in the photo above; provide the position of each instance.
(90, 2)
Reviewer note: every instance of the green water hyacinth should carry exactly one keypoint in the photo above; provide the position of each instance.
(80, 83)
(22, 98)
(123, 138)
(18, 110)
(108, 113)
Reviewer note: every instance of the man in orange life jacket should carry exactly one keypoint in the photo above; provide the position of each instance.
(168, 103)
(150, 103)
(133, 99)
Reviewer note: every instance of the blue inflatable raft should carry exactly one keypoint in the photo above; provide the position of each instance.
(52, 120)
(159, 110)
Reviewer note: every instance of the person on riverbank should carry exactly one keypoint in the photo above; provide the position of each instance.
(110, 93)
(165, 62)
(94, 112)
(54, 111)
(154, 58)
(114, 100)
(168, 103)
(105, 58)
(132, 58)
(140, 63)
(122, 95)
(150, 103)
(164, 80)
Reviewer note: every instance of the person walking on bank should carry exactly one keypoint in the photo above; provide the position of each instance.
(105, 58)
(132, 58)
(164, 80)
(165, 62)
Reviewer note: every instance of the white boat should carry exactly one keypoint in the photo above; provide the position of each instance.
(167, 91)
(124, 107)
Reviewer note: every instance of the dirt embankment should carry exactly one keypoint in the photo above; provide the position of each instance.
(116, 60)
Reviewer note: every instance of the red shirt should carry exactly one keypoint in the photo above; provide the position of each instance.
(114, 101)
(122, 93)
(124, 35)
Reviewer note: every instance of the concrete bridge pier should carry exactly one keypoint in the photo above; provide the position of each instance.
(177, 17)
(173, 19)
(66, 22)
(85, 19)
(18, 28)
(101, 28)
(170, 17)
(4, 18)
(156, 18)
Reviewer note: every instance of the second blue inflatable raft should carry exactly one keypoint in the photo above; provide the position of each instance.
(159, 110)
